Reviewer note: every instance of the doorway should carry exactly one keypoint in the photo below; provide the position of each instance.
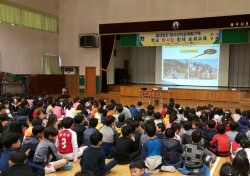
(90, 81)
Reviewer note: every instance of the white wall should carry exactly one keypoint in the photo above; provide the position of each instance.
(84, 16)
(22, 49)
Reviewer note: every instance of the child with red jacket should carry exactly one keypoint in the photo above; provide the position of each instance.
(220, 144)
(67, 141)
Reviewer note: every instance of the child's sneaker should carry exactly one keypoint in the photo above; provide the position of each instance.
(168, 168)
(66, 167)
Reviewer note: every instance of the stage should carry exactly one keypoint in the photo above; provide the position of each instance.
(186, 92)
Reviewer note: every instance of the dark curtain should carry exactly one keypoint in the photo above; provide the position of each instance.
(107, 42)
(239, 65)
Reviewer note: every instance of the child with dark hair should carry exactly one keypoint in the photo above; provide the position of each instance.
(126, 148)
(180, 115)
(58, 111)
(237, 115)
(32, 142)
(90, 130)
(46, 154)
(186, 138)
(164, 110)
(52, 121)
(110, 137)
(132, 110)
(18, 166)
(15, 127)
(226, 121)
(69, 110)
(95, 107)
(120, 123)
(139, 106)
(194, 155)
(240, 164)
(160, 129)
(149, 115)
(67, 141)
(144, 137)
(34, 122)
(151, 151)
(137, 168)
(79, 128)
(211, 132)
(11, 142)
(99, 115)
(110, 109)
(93, 158)
(220, 143)
(172, 119)
(236, 144)
(157, 117)
(41, 114)
(226, 169)
(176, 127)
(171, 152)
(233, 131)
(136, 131)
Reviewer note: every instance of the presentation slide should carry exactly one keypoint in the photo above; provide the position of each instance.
(196, 65)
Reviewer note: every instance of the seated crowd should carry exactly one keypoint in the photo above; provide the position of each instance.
(44, 135)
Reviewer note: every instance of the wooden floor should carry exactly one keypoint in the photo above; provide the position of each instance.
(123, 170)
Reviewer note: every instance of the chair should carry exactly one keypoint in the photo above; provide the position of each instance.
(144, 93)
(156, 94)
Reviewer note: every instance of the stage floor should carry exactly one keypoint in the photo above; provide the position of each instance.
(223, 94)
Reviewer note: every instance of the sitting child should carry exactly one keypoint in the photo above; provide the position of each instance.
(67, 141)
(176, 127)
(33, 141)
(90, 130)
(136, 129)
(226, 169)
(120, 123)
(18, 166)
(137, 168)
(220, 143)
(79, 128)
(11, 142)
(233, 131)
(194, 155)
(171, 152)
(93, 158)
(47, 155)
(186, 137)
(211, 132)
(151, 151)
(158, 119)
(160, 129)
(110, 137)
(126, 148)
(236, 144)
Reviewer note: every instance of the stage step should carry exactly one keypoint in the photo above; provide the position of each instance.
(245, 101)
(114, 88)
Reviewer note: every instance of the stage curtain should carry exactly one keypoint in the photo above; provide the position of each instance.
(51, 64)
(239, 64)
(143, 65)
(107, 44)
